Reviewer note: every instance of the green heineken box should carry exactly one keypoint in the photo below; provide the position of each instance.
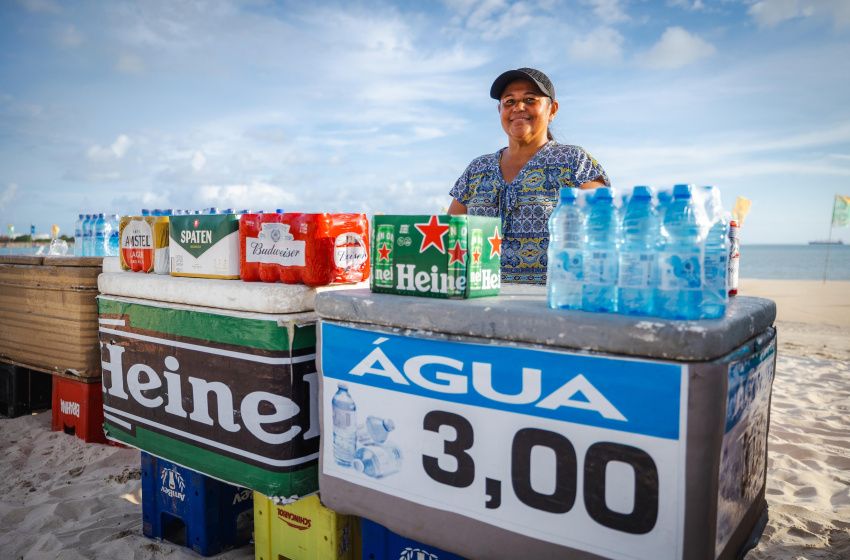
(436, 256)
(205, 245)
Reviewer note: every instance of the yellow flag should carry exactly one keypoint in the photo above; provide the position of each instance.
(55, 231)
(841, 211)
(742, 207)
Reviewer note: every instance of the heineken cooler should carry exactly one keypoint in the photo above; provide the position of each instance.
(525, 432)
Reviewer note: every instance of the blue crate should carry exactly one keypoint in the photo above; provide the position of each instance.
(186, 507)
(379, 543)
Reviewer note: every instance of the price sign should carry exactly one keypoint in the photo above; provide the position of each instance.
(581, 450)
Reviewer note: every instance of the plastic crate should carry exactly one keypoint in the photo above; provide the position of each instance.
(193, 510)
(379, 543)
(23, 390)
(78, 409)
(303, 530)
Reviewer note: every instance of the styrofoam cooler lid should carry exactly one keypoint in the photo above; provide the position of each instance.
(521, 314)
(235, 295)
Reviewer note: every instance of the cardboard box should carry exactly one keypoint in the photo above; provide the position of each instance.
(205, 246)
(436, 256)
(232, 395)
(48, 313)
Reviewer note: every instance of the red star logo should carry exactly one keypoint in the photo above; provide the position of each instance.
(456, 254)
(476, 256)
(495, 244)
(384, 253)
(432, 234)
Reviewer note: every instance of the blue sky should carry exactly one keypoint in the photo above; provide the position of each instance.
(379, 106)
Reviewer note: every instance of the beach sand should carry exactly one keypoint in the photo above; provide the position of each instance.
(61, 498)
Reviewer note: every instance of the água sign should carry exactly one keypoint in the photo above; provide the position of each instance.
(580, 450)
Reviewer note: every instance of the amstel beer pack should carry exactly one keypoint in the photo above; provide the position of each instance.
(144, 244)
(205, 246)
(436, 256)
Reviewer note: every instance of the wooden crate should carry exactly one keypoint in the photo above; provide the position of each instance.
(48, 313)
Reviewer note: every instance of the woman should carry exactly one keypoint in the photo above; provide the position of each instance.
(521, 183)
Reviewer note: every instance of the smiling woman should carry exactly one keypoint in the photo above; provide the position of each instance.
(520, 183)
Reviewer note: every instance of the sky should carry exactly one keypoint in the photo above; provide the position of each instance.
(376, 106)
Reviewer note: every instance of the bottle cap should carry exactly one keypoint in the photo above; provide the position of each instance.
(81, 216)
(642, 192)
(568, 193)
(389, 424)
(603, 193)
(279, 211)
(343, 386)
(358, 465)
(681, 191)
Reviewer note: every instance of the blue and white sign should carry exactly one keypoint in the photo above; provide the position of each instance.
(580, 450)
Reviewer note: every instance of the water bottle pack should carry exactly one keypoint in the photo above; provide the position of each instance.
(96, 235)
(363, 447)
(666, 258)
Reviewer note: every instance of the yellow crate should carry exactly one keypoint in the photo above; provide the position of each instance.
(304, 530)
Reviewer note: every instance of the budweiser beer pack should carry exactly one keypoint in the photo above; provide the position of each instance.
(144, 244)
(312, 249)
(436, 256)
(205, 246)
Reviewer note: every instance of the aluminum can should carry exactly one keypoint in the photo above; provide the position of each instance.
(457, 249)
(475, 250)
(383, 248)
(732, 277)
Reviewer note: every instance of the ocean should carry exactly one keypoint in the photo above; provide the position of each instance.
(770, 262)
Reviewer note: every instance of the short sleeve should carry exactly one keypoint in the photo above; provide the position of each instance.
(588, 169)
(460, 191)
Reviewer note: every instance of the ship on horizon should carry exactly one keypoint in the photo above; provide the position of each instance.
(836, 242)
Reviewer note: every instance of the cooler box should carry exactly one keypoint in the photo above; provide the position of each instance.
(48, 313)
(23, 390)
(302, 530)
(525, 432)
(193, 510)
(228, 393)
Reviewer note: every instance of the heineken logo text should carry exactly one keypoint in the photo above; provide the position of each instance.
(437, 282)
(71, 408)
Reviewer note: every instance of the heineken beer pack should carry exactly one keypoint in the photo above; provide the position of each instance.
(436, 256)
(205, 245)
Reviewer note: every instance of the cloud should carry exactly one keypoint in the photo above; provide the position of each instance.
(9, 195)
(602, 45)
(42, 6)
(609, 11)
(677, 48)
(256, 195)
(130, 64)
(769, 13)
(119, 147)
(198, 161)
(69, 36)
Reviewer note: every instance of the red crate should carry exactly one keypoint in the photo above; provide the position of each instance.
(78, 409)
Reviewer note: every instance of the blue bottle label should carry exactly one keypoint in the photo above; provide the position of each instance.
(600, 267)
(715, 270)
(680, 271)
(637, 270)
(567, 266)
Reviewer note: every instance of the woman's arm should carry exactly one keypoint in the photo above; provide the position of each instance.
(458, 209)
(595, 184)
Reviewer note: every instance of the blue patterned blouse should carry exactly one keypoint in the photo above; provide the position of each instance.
(525, 203)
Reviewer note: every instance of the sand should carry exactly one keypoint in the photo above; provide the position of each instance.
(61, 498)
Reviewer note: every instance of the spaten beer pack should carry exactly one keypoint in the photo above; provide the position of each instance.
(205, 246)
(436, 256)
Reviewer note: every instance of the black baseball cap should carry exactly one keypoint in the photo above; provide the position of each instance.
(536, 76)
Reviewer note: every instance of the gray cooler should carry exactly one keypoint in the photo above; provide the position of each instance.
(499, 428)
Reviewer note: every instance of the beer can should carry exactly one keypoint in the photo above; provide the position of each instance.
(732, 277)
(475, 250)
(383, 247)
(161, 260)
(124, 249)
(457, 257)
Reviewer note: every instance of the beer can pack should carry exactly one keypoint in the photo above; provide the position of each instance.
(436, 256)
(205, 246)
(299, 248)
(144, 244)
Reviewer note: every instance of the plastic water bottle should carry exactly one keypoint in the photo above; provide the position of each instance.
(566, 241)
(374, 431)
(601, 240)
(102, 233)
(113, 245)
(680, 290)
(638, 266)
(345, 426)
(715, 264)
(88, 235)
(378, 461)
(78, 235)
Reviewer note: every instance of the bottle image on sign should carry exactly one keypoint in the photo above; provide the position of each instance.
(374, 431)
(564, 279)
(384, 240)
(345, 426)
(680, 292)
(457, 254)
(638, 274)
(601, 240)
(378, 461)
(475, 250)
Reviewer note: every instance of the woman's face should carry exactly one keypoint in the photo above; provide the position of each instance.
(525, 111)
